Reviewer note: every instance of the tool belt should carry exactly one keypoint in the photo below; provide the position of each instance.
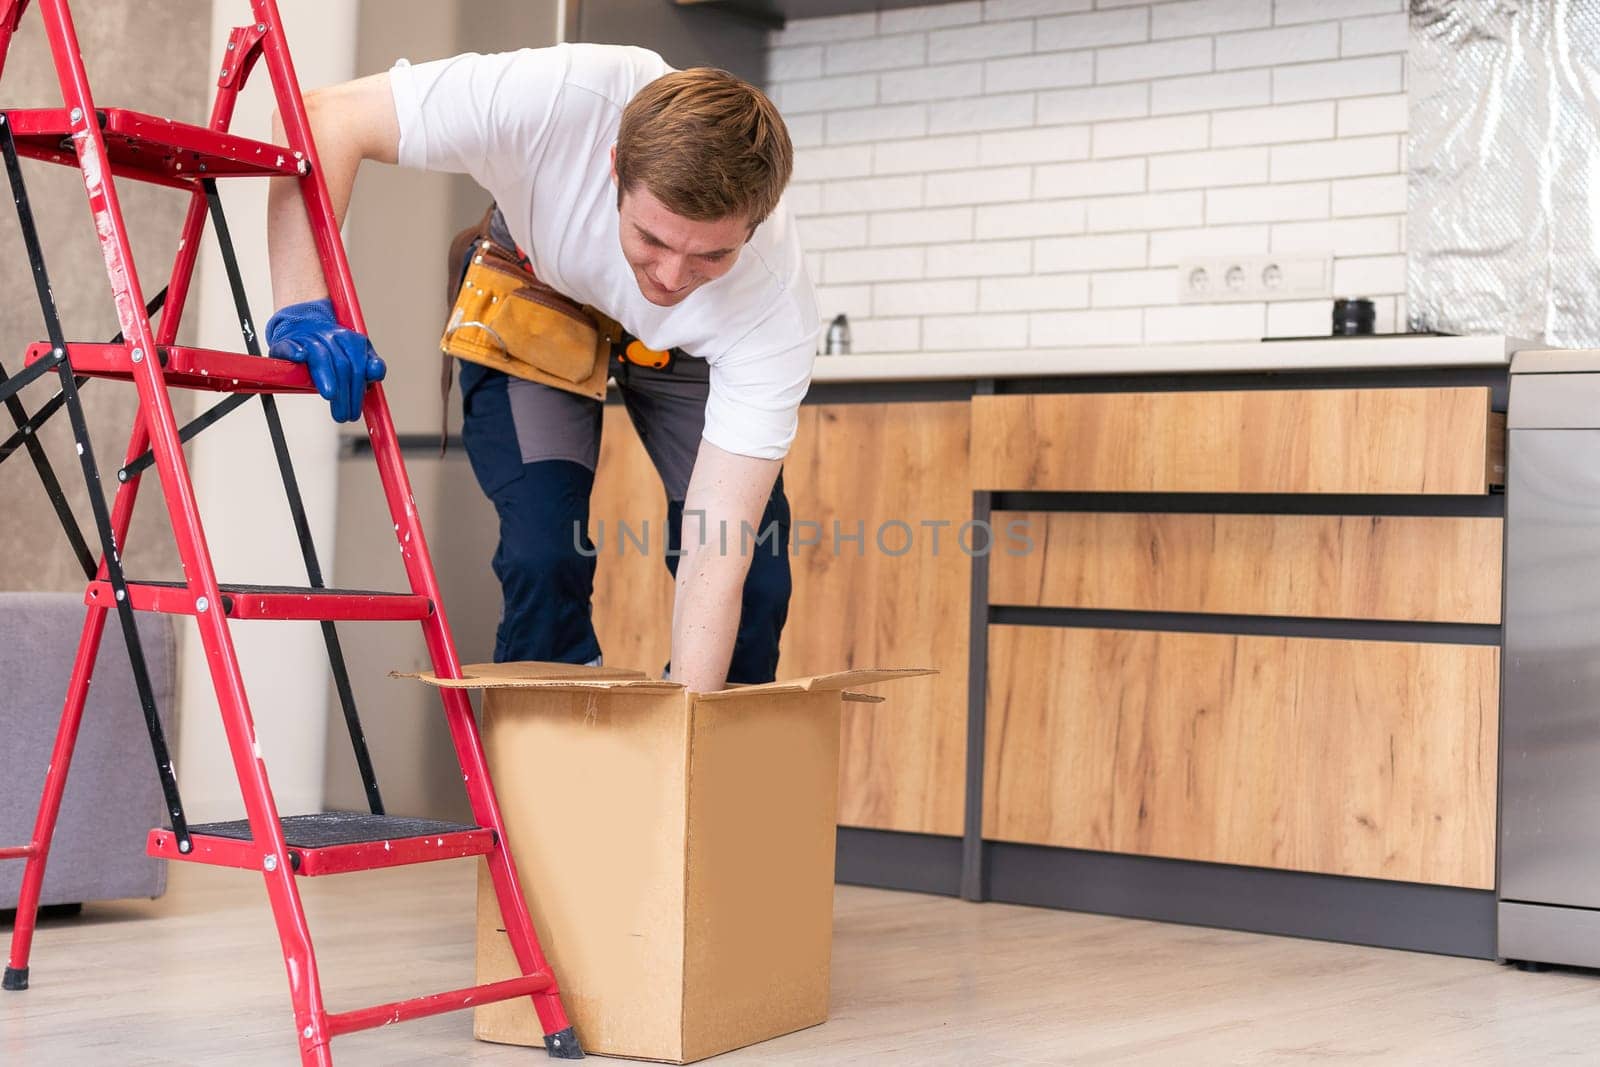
(505, 318)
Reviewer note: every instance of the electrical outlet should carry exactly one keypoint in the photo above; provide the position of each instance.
(1254, 278)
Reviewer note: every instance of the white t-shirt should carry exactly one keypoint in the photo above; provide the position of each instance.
(535, 128)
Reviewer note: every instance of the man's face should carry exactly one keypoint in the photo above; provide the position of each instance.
(672, 256)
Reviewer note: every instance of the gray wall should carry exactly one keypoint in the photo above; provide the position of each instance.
(119, 41)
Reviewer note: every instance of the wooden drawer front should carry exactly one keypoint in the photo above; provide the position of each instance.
(1327, 566)
(632, 590)
(1370, 759)
(903, 762)
(1289, 441)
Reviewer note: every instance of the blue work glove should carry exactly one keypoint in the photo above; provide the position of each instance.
(340, 360)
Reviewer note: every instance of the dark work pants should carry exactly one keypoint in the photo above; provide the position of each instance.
(533, 450)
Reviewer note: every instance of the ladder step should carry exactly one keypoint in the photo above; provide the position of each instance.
(281, 602)
(187, 368)
(152, 149)
(330, 842)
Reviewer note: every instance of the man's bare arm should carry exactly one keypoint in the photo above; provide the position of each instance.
(349, 123)
(727, 492)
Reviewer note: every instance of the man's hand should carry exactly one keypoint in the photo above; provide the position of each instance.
(341, 361)
(727, 493)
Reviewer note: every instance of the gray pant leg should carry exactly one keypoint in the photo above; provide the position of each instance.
(553, 423)
(668, 409)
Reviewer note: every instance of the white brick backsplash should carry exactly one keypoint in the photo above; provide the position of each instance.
(1375, 35)
(805, 131)
(1057, 70)
(1101, 252)
(1093, 105)
(1341, 77)
(974, 332)
(1349, 158)
(980, 42)
(1215, 168)
(1267, 48)
(1211, 92)
(877, 123)
(1196, 17)
(1374, 114)
(931, 83)
(1037, 218)
(1267, 203)
(1138, 137)
(819, 164)
(1037, 292)
(852, 300)
(1273, 125)
(980, 259)
(921, 227)
(791, 64)
(1167, 247)
(998, 10)
(926, 298)
(1190, 323)
(929, 17)
(1163, 59)
(1369, 275)
(1134, 288)
(886, 335)
(1090, 179)
(872, 194)
(1079, 329)
(825, 94)
(875, 53)
(1384, 195)
(1052, 144)
(873, 265)
(1300, 318)
(821, 233)
(983, 113)
(990, 174)
(803, 199)
(835, 28)
(1094, 30)
(1378, 235)
(997, 186)
(925, 155)
(1288, 11)
(1154, 211)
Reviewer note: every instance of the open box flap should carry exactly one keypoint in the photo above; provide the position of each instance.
(530, 674)
(822, 682)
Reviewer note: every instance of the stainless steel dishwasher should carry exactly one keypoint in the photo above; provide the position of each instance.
(1549, 895)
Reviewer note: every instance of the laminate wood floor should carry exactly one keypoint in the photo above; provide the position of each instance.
(196, 979)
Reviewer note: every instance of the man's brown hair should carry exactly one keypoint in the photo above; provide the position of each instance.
(707, 145)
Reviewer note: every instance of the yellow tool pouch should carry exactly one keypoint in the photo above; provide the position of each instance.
(504, 318)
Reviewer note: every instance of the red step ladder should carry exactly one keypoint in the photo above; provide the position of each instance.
(105, 142)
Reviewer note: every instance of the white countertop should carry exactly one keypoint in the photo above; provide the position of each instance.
(1557, 361)
(1347, 353)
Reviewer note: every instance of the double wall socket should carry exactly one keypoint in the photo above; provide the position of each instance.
(1235, 279)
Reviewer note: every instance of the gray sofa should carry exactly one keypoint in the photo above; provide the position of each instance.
(113, 796)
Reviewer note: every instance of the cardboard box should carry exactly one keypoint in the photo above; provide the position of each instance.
(676, 850)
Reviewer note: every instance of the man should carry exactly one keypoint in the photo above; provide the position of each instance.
(651, 195)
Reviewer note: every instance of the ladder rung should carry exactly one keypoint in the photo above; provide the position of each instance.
(330, 842)
(150, 148)
(399, 1011)
(281, 602)
(188, 368)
